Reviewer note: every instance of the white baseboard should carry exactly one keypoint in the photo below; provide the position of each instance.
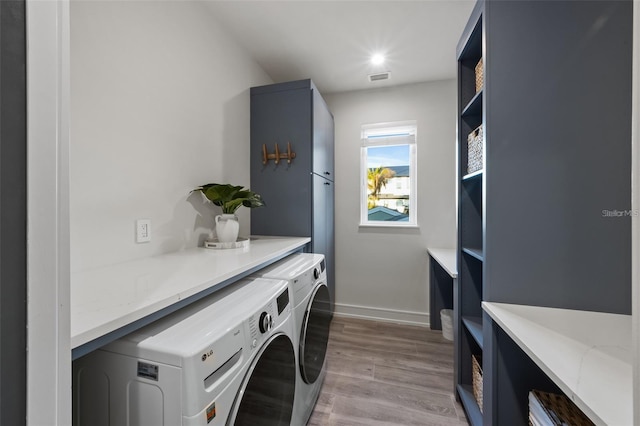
(382, 314)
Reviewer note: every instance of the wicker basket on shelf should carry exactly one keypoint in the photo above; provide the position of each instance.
(476, 373)
(474, 150)
(479, 75)
(556, 409)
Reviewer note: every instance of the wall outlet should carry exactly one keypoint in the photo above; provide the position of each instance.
(143, 230)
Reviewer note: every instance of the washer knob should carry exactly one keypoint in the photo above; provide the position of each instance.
(316, 273)
(266, 322)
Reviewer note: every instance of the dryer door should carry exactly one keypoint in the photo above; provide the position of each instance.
(267, 392)
(315, 334)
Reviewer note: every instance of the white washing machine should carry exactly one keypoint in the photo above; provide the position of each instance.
(228, 359)
(307, 277)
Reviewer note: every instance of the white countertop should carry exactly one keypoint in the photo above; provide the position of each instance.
(587, 354)
(447, 258)
(108, 298)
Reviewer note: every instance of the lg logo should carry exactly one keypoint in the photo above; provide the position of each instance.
(207, 355)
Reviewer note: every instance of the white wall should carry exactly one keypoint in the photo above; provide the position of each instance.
(383, 272)
(159, 105)
(48, 327)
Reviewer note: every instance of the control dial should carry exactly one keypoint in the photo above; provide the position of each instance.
(316, 273)
(266, 322)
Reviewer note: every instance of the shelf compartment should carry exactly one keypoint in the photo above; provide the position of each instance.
(474, 252)
(470, 295)
(470, 213)
(470, 405)
(474, 326)
(470, 44)
(474, 107)
(585, 366)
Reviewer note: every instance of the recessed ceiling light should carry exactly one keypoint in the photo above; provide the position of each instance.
(377, 59)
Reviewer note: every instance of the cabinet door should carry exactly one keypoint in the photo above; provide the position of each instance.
(322, 138)
(323, 227)
(281, 117)
(330, 236)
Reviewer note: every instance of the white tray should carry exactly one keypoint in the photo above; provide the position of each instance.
(215, 244)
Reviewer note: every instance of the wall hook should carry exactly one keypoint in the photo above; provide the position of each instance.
(277, 156)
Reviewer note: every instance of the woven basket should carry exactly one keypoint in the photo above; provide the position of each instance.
(563, 409)
(476, 373)
(474, 150)
(479, 75)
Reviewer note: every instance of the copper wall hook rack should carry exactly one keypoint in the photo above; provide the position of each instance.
(277, 156)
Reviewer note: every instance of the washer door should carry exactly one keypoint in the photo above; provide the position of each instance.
(267, 392)
(315, 334)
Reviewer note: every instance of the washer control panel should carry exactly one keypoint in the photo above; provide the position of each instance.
(265, 323)
(262, 322)
(271, 315)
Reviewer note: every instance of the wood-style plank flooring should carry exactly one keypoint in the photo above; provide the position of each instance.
(380, 373)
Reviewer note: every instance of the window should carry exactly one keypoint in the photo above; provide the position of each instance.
(388, 174)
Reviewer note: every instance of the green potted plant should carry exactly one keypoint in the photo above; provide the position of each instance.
(230, 198)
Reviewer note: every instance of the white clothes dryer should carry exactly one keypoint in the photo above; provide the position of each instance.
(228, 359)
(307, 277)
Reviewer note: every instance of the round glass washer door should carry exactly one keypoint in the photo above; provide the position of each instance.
(314, 334)
(269, 387)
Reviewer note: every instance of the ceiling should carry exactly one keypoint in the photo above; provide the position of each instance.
(331, 42)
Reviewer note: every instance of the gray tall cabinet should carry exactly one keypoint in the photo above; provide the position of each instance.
(537, 225)
(299, 191)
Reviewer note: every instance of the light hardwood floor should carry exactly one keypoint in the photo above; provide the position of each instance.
(387, 374)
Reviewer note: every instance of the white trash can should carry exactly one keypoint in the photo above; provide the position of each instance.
(446, 318)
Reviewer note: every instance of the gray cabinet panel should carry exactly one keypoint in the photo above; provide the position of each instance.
(322, 138)
(323, 226)
(13, 213)
(558, 114)
(281, 117)
(330, 237)
(299, 196)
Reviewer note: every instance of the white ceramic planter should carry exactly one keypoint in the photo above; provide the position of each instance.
(227, 228)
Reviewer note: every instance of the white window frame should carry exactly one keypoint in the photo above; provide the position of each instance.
(400, 133)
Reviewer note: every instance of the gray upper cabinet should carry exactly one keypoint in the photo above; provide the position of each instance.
(282, 114)
(323, 134)
(299, 194)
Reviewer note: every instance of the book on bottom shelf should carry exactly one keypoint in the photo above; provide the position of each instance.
(551, 409)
